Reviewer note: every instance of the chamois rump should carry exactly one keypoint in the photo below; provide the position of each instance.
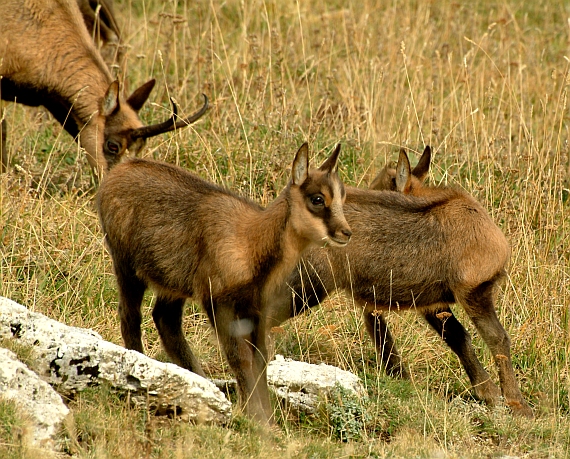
(170, 230)
(48, 58)
(419, 248)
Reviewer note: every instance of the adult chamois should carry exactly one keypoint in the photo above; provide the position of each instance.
(99, 18)
(170, 230)
(420, 248)
(48, 58)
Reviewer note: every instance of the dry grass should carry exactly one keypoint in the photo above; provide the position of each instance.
(485, 84)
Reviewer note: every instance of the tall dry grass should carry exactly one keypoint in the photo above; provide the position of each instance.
(486, 85)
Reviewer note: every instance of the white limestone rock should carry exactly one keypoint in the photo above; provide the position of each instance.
(300, 384)
(42, 406)
(72, 358)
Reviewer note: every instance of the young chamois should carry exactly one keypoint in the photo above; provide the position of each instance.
(184, 237)
(423, 251)
(48, 58)
(404, 179)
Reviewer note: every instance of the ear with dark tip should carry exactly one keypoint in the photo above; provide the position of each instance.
(422, 168)
(403, 173)
(140, 95)
(300, 170)
(110, 102)
(330, 163)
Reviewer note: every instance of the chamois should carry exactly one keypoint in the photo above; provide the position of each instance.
(48, 58)
(403, 178)
(101, 24)
(423, 251)
(185, 237)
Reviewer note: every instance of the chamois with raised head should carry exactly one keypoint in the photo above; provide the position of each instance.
(403, 178)
(420, 248)
(170, 230)
(48, 58)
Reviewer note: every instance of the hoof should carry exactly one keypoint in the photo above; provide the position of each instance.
(521, 409)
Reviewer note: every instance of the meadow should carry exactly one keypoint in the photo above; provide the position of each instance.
(484, 83)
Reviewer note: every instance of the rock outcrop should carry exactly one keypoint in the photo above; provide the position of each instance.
(71, 359)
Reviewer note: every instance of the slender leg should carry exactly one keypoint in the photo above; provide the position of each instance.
(246, 354)
(385, 345)
(480, 306)
(260, 357)
(456, 337)
(3, 149)
(167, 315)
(131, 292)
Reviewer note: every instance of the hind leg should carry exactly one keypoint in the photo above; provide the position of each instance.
(167, 315)
(385, 346)
(456, 337)
(131, 292)
(480, 306)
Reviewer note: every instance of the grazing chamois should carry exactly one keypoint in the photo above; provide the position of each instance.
(422, 251)
(185, 237)
(48, 58)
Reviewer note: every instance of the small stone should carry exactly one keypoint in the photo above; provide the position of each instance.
(300, 384)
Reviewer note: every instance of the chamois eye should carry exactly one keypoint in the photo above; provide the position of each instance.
(113, 147)
(317, 201)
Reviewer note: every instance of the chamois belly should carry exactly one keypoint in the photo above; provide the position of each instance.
(384, 296)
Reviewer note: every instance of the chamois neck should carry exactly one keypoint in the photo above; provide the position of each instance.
(86, 96)
(82, 92)
(278, 243)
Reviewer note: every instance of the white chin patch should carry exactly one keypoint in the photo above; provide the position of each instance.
(241, 327)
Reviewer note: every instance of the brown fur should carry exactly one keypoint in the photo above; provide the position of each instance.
(423, 251)
(185, 237)
(48, 58)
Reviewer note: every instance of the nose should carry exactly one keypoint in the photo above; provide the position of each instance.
(347, 233)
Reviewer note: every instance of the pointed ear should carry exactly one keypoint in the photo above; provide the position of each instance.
(422, 168)
(403, 173)
(330, 163)
(300, 170)
(110, 102)
(140, 95)
(383, 180)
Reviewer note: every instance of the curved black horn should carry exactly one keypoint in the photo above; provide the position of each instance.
(171, 124)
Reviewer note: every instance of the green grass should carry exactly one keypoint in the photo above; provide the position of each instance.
(485, 85)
